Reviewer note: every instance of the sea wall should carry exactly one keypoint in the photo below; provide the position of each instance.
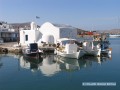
(10, 47)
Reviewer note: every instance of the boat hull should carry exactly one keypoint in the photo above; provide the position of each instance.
(26, 52)
(93, 52)
(31, 54)
(75, 55)
(107, 51)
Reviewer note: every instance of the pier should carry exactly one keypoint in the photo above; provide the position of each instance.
(10, 47)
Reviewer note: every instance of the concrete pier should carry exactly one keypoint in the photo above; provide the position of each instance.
(10, 47)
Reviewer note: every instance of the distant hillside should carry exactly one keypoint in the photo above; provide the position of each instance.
(16, 26)
(112, 31)
(79, 31)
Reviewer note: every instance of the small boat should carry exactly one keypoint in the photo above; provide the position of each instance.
(107, 51)
(67, 48)
(114, 35)
(32, 50)
(92, 48)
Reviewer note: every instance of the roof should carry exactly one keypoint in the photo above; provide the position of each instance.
(61, 25)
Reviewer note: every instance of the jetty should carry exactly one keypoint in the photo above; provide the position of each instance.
(13, 47)
(10, 47)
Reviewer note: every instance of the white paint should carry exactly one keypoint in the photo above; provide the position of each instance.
(48, 32)
(32, 36)
(58, 31)
(49, 39)
(33, 26)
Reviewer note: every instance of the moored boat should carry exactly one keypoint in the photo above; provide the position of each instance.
(32, 50)
(92, 48)
(67, 48)
(114, 35)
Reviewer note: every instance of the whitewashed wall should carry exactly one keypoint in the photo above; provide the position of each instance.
(48, 29)
(58, 32)
(32, 36)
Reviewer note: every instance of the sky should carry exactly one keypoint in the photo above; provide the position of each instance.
(84, 14)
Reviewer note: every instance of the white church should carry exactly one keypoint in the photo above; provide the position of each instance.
(48, 32)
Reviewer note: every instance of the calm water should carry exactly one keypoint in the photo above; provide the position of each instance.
(52, 73)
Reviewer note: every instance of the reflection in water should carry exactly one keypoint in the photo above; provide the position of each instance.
(46, 64)
(1, 64)
(7, 55)
(67, 64)
(30, 63)
(49, 65)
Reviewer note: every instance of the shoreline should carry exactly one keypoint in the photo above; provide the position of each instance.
(10, 47)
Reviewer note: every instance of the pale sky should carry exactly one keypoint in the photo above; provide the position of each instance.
(84, 14)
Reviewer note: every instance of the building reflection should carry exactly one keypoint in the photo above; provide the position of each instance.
(50, 65)
(67, 64)
(30, 63)
(1, 64)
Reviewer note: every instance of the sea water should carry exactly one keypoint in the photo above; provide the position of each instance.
(55, 73)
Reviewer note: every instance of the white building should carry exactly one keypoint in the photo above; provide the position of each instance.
(30, 36)
(58, 31)
(7, 34)
(48, 33)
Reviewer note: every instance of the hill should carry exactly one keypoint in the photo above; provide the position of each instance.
(112, 31)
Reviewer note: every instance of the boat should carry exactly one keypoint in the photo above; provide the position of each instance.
(107, 51)
(114, 36)
(66, 47)
(103, 42)
(32, 50)
(92, 48)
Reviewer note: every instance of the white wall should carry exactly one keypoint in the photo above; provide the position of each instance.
(32, 36)
(33, 26)
(58, 32)
(68, 33)
(48, 29)
(38, 35)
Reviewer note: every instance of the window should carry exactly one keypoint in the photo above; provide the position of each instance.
(26, 37)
